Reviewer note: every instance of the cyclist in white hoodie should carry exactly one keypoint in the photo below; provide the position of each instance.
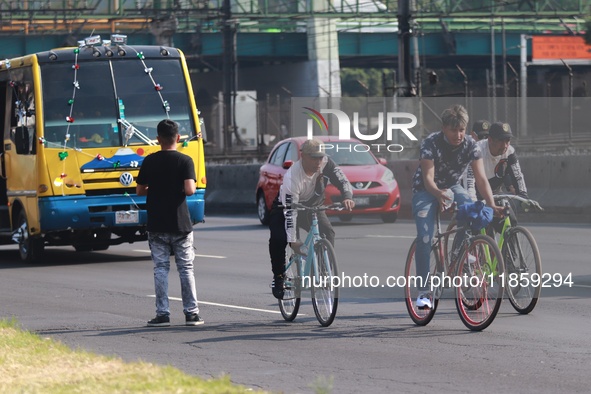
(303, 183)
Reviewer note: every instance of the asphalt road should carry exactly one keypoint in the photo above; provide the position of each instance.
(100, 301)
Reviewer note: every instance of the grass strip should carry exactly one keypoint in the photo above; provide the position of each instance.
(31, 364)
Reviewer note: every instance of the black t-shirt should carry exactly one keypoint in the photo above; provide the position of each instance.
(164, 172)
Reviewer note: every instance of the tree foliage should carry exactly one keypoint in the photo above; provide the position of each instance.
(358, 82)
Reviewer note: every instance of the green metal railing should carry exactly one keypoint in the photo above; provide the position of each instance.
(28, 17)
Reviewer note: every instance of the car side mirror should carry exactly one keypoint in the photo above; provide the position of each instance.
(383, 161)
(287, 164)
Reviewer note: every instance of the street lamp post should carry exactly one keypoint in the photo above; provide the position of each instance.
(465, 84)
(516, 76)
(364, 86)
(570, 99)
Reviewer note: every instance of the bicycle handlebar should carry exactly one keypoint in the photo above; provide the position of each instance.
(527, 201)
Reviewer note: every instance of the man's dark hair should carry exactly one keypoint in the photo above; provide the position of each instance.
(168, 130)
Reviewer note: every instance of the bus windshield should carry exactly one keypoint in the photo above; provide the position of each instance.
(106, 92)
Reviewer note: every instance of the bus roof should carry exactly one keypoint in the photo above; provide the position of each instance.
(112, 52)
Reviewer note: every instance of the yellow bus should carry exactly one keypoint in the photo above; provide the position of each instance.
(77, 124)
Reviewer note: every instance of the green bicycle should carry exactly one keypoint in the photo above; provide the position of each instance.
(313, 270)
(523, 265)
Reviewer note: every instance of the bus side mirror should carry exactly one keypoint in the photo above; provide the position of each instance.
(21, 140)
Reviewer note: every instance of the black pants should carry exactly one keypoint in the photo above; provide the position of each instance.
(278, 238)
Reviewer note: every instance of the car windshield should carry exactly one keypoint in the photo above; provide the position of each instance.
(102, 97)
(347, 154)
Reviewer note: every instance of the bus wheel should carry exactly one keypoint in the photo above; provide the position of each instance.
(30, 248)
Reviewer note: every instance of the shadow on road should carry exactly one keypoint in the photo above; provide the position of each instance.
(59, 257)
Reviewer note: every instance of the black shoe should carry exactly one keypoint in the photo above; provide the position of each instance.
(193, 320)
(278, 286)
(160, 321)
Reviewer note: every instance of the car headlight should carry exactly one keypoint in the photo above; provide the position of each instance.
(387, 176)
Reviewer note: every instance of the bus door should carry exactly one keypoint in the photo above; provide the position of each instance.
(20, 160)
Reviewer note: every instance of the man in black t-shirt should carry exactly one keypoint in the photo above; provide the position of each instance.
(167, 177)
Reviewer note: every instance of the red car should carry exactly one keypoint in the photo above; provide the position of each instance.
(375, 191)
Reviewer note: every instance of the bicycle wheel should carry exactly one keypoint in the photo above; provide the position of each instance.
(478, 282)
(325, 298)
(421, 317)
(522, 265)
(290, 304)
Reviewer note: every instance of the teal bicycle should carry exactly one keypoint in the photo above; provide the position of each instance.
(312, 270)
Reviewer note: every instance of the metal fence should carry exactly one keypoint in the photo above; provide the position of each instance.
(549, 122)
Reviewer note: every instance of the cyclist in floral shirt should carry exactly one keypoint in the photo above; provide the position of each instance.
(444, 156)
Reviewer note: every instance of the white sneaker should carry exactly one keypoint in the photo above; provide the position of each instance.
(471, 259)
(424, 301)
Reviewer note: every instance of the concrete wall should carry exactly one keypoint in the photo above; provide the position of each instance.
(561, 184)
(231, 188)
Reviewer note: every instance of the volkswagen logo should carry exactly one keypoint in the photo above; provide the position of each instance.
(126, 179)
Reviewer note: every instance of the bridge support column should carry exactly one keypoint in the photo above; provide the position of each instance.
(323, 56)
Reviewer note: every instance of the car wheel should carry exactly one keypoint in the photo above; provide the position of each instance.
(262, 210)
(389, 217)
(345, 218)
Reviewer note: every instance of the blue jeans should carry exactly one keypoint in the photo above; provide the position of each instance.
(424, 209)
(161, 246)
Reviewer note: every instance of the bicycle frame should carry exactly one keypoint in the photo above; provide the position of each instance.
(449, 266)
(504, 199)
(506, 226)
(309, 259)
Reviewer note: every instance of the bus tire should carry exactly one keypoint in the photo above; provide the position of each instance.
(30, 248)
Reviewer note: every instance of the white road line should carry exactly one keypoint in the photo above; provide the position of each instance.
(196, 255)
(586, 286)
(223, 305)
(391, 236)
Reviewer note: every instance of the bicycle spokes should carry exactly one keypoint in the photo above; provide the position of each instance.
(524, 269)
(479, 294)
(290, 303)
(324, 293)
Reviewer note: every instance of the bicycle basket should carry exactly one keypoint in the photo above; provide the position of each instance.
(476, 214)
